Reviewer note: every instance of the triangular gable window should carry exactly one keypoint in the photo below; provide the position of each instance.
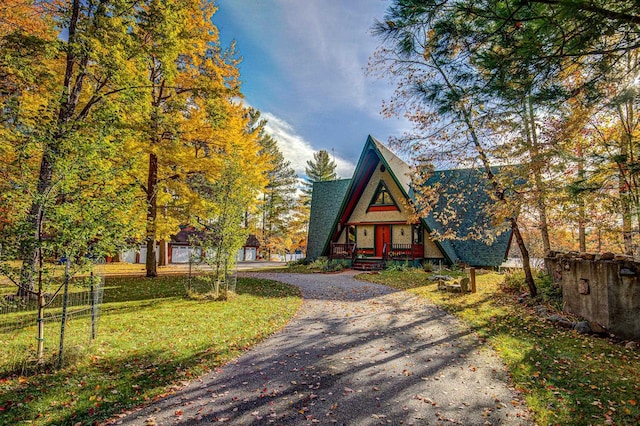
(382, 200)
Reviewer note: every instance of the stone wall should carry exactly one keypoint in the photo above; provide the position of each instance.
(603, 289)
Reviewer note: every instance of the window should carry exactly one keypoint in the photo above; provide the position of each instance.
(351, 235)
(382, 199)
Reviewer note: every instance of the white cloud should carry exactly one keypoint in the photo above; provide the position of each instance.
(331, 49)
(296, 149)
(320, 47)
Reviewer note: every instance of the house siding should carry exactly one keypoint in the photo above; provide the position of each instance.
(431, 250)
(360, 213)
(397, 236)
(365, 241)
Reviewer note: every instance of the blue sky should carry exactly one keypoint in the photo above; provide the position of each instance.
(304, 67)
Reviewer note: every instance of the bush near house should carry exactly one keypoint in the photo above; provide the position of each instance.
(566, 377)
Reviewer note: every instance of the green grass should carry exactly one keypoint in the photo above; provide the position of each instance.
(150, 338)
(566, 378)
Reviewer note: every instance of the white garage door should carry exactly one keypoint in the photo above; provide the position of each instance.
(180, 254)
(250, 253)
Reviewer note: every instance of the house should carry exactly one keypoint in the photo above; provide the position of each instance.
(249, 251)
(368, 219)
(181, 249)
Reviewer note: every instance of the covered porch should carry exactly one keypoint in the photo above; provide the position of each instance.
(374, 244)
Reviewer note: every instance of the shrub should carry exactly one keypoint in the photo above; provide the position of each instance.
(320, 263)
(336, 265)
(301, 261)
(513, 282)
(548, 292)
(400, 267)
(429, 266)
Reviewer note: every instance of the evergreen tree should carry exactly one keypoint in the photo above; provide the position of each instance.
(440, 89)
(279, 193)
(278, 198)
(321, 168)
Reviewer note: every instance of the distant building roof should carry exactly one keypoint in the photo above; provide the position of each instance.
(252, 241)
(189, 234)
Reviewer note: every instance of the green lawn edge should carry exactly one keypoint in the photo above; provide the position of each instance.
(565, 377)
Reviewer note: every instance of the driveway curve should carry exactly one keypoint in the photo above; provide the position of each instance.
(355, 354)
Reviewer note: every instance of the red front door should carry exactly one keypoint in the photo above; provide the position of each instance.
(383, 235)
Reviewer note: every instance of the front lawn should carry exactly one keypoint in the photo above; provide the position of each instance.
(150, 339)
(566, 378)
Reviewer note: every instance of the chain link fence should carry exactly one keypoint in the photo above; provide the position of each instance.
(69, 321)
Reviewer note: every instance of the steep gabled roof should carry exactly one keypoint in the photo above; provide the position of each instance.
(373, 153)
(326, 200)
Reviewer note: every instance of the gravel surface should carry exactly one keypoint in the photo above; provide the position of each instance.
(355, 354)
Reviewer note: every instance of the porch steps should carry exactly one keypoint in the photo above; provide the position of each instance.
(368, 264)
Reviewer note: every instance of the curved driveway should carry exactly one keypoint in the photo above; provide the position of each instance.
(355, 354)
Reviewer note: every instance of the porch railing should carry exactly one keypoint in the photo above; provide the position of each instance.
(342, 251)
(389, 251)
(406, 251)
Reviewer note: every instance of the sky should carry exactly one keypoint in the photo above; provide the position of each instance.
(304, 67)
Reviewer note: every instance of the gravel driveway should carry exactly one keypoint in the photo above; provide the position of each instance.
(355, 354)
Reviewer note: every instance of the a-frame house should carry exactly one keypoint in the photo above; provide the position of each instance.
(367, 219)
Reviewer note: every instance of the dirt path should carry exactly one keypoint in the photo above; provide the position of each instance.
(355, 354)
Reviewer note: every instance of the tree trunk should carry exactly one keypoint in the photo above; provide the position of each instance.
(152, 215)
(627, 232)
(526, 262)
(500, 195)
(536, 169)
(582, 236)
(582, 213)
(498, 191)
(32, 250)
(162, 255)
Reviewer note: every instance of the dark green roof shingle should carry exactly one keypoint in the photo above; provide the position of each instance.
(463, 211)
(326, 200)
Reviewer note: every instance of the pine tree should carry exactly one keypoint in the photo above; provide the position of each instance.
(278, 197)
(321, 168)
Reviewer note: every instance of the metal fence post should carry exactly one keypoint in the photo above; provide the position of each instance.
(65, 301)
(92, 297)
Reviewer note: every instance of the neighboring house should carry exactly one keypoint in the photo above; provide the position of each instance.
(368, 219)
(249, 251)
(180, 249)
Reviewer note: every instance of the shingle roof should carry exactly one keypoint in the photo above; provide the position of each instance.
(326, 200)
(252, 241)
(463, 209)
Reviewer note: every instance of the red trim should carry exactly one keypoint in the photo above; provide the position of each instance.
(397, 222)
(362, 180)
(383, 208)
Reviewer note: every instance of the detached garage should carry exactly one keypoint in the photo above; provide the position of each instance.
(249, 252)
